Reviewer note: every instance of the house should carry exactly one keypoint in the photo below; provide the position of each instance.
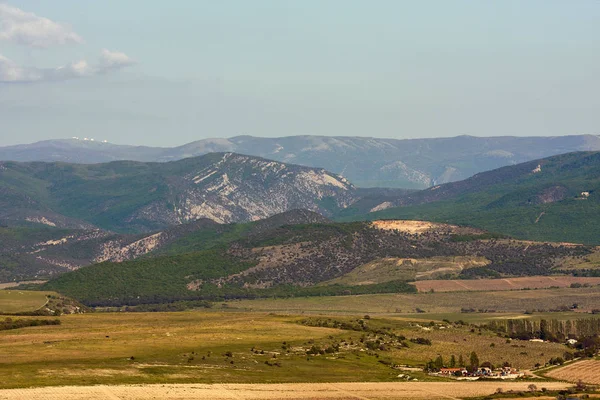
(453, 371)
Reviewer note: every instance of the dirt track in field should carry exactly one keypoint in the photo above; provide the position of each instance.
(292, 391)
(529, 282)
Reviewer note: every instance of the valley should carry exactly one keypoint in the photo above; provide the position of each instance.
(275, 271)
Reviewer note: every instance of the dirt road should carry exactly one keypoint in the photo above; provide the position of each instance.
(293, 391)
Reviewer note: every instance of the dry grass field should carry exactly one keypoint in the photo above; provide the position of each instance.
(587, 371)
(590, 261)
(7, 285)
(389, 269)
(528, 282)
(516, 301)
(13, 301)
(234, 347)
(295, 391)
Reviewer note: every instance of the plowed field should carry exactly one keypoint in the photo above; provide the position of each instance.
(588, 371)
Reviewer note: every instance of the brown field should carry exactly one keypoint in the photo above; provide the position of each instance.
(529, 282)
(338, 391)
(588, 371)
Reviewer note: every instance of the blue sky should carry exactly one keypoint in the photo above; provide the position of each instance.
(166, 73)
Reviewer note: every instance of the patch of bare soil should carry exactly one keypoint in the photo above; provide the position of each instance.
(419, 227)
(291, 391)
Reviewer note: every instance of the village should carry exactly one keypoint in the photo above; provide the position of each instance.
(481, 372)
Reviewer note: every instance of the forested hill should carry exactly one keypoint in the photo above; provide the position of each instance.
(134, 197)
(552, 199)
(319, 258)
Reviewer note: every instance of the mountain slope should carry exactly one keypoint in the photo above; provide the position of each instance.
(556, 199)
(28, 253)
(132, 197)
(304, 259)
(367, 162)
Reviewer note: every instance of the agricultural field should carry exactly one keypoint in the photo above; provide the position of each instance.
(527, 282)
(241, 347)
(515, 301)
(587, 371)
(15, 301)
(295, 391)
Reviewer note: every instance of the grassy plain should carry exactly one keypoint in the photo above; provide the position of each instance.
(514, 301)
(14, 301)
(241, 347)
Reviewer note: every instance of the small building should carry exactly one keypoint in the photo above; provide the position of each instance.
(453, 371)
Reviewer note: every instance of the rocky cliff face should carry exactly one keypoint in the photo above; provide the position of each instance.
(241, 188)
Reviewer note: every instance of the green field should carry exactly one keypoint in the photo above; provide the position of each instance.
(17, 301)
(243, 347)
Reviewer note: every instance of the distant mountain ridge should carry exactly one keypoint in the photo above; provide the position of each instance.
(367, 162)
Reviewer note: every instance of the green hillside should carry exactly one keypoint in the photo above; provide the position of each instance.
(270, 260)
(560, 203)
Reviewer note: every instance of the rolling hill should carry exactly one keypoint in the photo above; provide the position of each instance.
(318, 258)
(365, 161)
(551, 199)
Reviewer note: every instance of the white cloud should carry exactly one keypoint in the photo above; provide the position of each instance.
(112, 60)
(28, 29)
(11, 72)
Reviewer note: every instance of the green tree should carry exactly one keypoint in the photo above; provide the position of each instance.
(439, 362)
(461, 361)
(474, 361)
(452, 361)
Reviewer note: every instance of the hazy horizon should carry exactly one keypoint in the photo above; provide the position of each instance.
(123, 143)
(165, 74)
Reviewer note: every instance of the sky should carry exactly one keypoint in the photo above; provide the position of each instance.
(159, 73)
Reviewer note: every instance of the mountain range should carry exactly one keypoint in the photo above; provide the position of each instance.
(58, 217)
(365, 161)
